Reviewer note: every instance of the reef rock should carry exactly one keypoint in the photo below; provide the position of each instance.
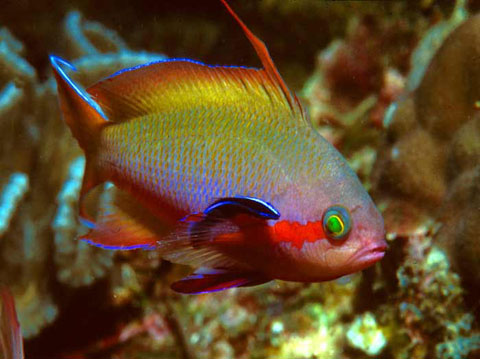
(430, 158)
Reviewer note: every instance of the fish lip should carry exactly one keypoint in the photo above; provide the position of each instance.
(371, 254)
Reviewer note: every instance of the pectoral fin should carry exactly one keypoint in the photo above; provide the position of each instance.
(202, 240)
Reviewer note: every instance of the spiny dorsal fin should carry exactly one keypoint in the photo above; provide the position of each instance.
(181, 84)
(265, 58)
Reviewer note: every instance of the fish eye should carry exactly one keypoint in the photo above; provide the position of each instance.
(337, 222)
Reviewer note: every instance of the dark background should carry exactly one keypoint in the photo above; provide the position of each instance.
(203, 30)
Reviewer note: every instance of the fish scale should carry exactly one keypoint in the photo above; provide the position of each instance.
(164, 148)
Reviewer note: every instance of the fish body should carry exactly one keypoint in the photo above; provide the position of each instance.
(225, 159)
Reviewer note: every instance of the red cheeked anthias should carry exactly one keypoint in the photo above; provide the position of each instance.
(226, 160)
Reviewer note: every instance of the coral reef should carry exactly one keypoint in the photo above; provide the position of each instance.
(13, 193)
(430, 158)
(40, 159)
(431, 308)
(77, 263)
(365, 335)
(430, 43)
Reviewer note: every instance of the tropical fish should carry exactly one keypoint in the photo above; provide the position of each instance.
(11, 341)
(219, 168)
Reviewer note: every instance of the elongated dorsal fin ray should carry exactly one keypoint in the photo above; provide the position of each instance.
(265, 58)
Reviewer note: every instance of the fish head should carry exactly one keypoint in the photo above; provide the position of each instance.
(332, 228)
(347, 239)
(352, 235)
(354, 238)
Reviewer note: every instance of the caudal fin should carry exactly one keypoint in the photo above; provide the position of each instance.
(84, 118)
(11, 343)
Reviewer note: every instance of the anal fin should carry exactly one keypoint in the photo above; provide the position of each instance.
(123, 223)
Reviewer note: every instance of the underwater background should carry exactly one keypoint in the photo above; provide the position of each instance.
(395, 86)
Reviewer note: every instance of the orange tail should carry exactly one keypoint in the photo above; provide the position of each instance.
(85, 119)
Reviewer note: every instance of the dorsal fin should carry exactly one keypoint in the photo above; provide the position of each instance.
(182, 84)
(265, 58)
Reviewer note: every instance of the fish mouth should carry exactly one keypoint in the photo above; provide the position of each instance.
(371, 254)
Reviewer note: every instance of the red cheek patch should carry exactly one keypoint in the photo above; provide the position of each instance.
(296, 233)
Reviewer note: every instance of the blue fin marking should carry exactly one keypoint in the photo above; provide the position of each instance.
(57, 63)
(253, 205)
(123, 248)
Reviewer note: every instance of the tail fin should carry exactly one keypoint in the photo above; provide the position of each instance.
(85, 119)
(11, 343)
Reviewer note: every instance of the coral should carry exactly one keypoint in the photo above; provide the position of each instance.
(90, 38)
(431, 42)
(365, 335)
(282, 320)
(323, 340)
(77, 263)
(40, 155)
(13, 65)
(430, 158)
(431, 316)
(12, 194)
(458, 348)
(459, 234)
(35, 308)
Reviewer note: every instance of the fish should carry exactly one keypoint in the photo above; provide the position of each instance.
(11, 340)
(219, 168)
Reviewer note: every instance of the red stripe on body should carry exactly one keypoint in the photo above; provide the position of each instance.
(296, 233)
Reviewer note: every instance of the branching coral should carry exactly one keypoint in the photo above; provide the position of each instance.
(78, 264)
(41, 156)
(90, 38)
(12, 194)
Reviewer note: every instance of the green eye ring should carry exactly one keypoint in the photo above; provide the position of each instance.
(337, 222)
